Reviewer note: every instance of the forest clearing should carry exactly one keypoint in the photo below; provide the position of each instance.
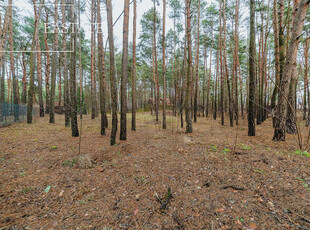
(262, 185)
(154, 114)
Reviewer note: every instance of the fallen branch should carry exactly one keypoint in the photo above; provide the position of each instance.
(233, 187)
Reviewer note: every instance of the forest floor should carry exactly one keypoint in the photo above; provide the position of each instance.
(45, 184)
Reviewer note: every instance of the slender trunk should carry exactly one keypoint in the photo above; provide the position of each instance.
(73, 106)
(221, 66)
(164, 66)
(92, 60)
(236, 62)
(14, 78)
(155, 64)
(47, 71)
(101, 69)
(229, 92)
(54, 67)
(210, 73)
(251, 106)
(133, 85)
(197, 67)
(112, 73)
(123, 125)
(189, 128)
(65, 66)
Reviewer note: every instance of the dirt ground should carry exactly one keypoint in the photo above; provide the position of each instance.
(46, 184)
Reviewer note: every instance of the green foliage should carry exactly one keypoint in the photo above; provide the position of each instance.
(259, 171)
(226, 150)
(69, 163)
(27, 189)
(245, 147)
(214, 148)
(302, 153)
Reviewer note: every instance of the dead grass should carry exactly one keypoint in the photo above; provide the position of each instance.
(264, 185)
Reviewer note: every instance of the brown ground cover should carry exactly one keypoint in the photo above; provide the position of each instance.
(45, 184)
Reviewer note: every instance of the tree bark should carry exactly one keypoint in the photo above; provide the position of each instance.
(133, 85)
(290, 64)
(123, 125)
(112, 73)
(251, 106)
(188, 118)
(164, 66)
(73, 106)
(65, 66)
(197, 66)
(54, 67)
(101, 69)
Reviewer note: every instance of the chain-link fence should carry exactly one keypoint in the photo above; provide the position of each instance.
(12, 113)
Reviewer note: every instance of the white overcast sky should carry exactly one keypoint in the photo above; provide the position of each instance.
(26, 8)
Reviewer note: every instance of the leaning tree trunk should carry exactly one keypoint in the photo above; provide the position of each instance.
(290, 64)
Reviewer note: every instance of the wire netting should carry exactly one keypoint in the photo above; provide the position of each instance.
(12, 113)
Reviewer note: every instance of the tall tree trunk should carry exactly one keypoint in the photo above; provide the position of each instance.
(14, 79)
(123, 126)
(80, 67)
(2, 89)
(54, 67)
(4, 29)
(39, 63)
(24, 79)
(204, 109)
(197, 67)
(155, 64)
(290, 64)
(277, 61)
(221, 67)
(133, 83)
(65, 66)
(47, 71)
(251, 106)
(236, 62)
(164, 66)
(112, 73)
(73, 106)
(101, 69)
(306, 74)
(31, 71)
(188, 117)
(229, 92)
(210, 74)
(291, 125)
(92, 60)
